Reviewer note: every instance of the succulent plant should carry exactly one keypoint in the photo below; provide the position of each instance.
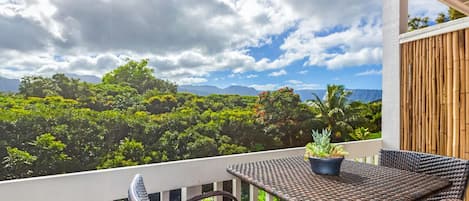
(321, 147)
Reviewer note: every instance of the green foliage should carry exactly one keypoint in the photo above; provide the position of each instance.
(361, 134)
(322, 147)
(112, 96)
(415, 23)
(284, 117)
(455, 14)
(38, 87)
(51, 158)
(58, 85)
(129, 153)
(61, 125)
(335, 112)
(138, 76)
(161, 104)
(18, 163)
(441, 18)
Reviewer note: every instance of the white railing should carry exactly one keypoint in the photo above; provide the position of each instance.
(187, 175)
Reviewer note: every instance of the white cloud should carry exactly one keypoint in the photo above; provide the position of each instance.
(190, 80)
(277, 73)
(361, 57)
(294, 81)
(264, 87)
(370, 72)
(251, 76)
(300, 85)
(429, 8)
(188, 42)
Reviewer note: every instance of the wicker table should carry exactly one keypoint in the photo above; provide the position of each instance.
(292, 179)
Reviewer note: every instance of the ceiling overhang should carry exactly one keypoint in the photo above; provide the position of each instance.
(460, 5)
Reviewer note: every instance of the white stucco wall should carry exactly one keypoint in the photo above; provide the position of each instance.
(394, 23)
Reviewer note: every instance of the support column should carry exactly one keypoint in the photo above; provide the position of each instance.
(394, 23)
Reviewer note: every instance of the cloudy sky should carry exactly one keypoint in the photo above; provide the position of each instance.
(264, 44)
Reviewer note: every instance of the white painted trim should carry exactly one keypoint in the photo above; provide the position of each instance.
(111, 184)
(434, 30)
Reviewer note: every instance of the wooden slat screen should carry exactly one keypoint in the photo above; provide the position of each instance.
(434, 93)
(434, 86)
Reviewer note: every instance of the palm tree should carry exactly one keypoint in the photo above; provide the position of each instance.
(334, 112)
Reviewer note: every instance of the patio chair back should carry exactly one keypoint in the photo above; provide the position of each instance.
(137, 191)
(454, 169)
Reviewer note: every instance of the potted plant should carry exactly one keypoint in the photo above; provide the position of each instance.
(325, 158)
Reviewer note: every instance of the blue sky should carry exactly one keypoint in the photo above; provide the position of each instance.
(261, 44)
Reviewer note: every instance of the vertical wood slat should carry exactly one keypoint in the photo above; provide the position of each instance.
(456, 64)
(466, 92)
(434, 94)
(449, 95)
(461, 93)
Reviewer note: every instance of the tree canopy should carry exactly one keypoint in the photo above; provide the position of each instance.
(59, 124)
(138, 76)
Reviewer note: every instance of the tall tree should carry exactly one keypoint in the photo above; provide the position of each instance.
(37, 86)
(284, 117)
(139, 76)
(334, 111)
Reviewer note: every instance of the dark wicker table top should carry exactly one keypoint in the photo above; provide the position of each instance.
(292, 179)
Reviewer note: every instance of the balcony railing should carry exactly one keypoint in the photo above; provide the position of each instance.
(187, 175)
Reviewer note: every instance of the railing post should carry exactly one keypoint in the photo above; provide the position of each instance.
(164, 196)
(253, 193)
(237, 188)
(189, 192)
(218, 186)
(268, 197)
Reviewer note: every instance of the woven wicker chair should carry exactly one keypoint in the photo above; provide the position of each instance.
(453, 169)
(137, 192)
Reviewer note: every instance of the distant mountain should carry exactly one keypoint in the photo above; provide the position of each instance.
(364, 95)
(205, 90)
(9, 85)
(248, 91)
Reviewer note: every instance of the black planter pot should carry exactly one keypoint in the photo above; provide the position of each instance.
(326, 166)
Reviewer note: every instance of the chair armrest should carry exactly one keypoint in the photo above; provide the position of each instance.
(212, 194)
